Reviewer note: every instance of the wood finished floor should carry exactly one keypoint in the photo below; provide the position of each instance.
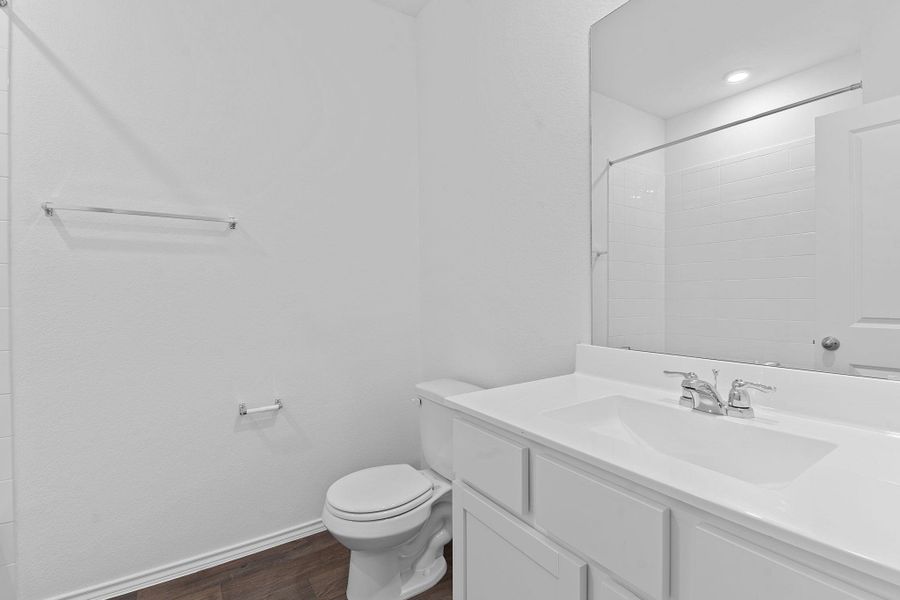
(314, 568)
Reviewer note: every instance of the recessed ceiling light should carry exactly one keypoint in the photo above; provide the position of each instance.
(737, 76)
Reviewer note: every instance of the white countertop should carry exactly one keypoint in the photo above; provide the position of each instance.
(846, 507)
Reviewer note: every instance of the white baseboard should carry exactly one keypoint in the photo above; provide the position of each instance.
(192, 565)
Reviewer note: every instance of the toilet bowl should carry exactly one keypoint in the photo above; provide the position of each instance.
(396, 544)
(395, 519)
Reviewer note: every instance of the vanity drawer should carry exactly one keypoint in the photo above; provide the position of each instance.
(493, 465)
(624, 533)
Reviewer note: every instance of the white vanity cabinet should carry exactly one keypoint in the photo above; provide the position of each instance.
(534, 523)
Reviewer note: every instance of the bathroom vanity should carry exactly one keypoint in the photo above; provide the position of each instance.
(601, 485)
(742, 210)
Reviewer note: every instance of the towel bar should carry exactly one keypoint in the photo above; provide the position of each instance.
(50, 209)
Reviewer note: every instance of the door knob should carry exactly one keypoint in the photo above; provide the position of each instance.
(831, 343)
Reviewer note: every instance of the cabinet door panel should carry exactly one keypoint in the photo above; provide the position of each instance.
(496, 557)
(624, 533)
(724, 566)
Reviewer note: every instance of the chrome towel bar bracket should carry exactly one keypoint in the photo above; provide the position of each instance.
(244, 411)
(50, 209)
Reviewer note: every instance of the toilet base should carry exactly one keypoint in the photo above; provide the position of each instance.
(405, 571)
(423, 580)
(377, 576)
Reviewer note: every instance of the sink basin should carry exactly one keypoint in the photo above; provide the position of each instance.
(735, 448)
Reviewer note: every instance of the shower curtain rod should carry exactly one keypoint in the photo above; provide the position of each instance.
(768, 113)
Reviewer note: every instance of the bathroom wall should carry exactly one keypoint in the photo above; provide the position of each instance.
(7, 526)
(505, 184)
(628, 220)
(740, 257)
(881, 46)
(137, 338)
(740, 223)
(637, 258)
(407, 7)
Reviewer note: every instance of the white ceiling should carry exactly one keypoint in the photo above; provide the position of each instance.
(667, 57)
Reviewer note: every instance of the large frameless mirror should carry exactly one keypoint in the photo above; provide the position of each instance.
(745, 181)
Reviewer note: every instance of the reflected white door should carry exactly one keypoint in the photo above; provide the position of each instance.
(858, 239)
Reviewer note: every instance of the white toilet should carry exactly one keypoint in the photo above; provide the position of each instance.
(395, 519)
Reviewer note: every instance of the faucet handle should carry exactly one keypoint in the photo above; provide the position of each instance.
(740, 384)
(684, 374)
(687, 378)
(739, 397)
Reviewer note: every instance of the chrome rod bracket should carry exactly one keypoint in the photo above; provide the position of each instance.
(244, 411)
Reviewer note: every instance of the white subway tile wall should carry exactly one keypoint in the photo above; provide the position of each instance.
(637, 258)
(740, 257)
(7, 528)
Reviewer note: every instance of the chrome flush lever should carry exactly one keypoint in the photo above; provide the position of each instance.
(739, 398)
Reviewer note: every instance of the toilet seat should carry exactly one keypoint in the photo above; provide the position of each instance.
(378, 493)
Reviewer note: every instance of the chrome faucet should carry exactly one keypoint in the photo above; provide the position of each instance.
(704, 396)
(698, 394)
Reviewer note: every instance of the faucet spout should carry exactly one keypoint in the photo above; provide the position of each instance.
(705, 397)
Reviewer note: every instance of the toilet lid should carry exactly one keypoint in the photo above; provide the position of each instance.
(379, 493)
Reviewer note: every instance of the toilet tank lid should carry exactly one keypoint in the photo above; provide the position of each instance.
(438, 390)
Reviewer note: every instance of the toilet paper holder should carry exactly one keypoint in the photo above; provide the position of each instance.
(244, 411)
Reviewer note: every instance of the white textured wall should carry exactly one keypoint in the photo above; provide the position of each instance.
(881, 46)
(407, 7)
(137, 338)
(505, 91)
(7, 527)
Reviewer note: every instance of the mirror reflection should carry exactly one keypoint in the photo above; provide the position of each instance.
(745, 188)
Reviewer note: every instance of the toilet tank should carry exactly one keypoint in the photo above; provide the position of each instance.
(436, 422)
